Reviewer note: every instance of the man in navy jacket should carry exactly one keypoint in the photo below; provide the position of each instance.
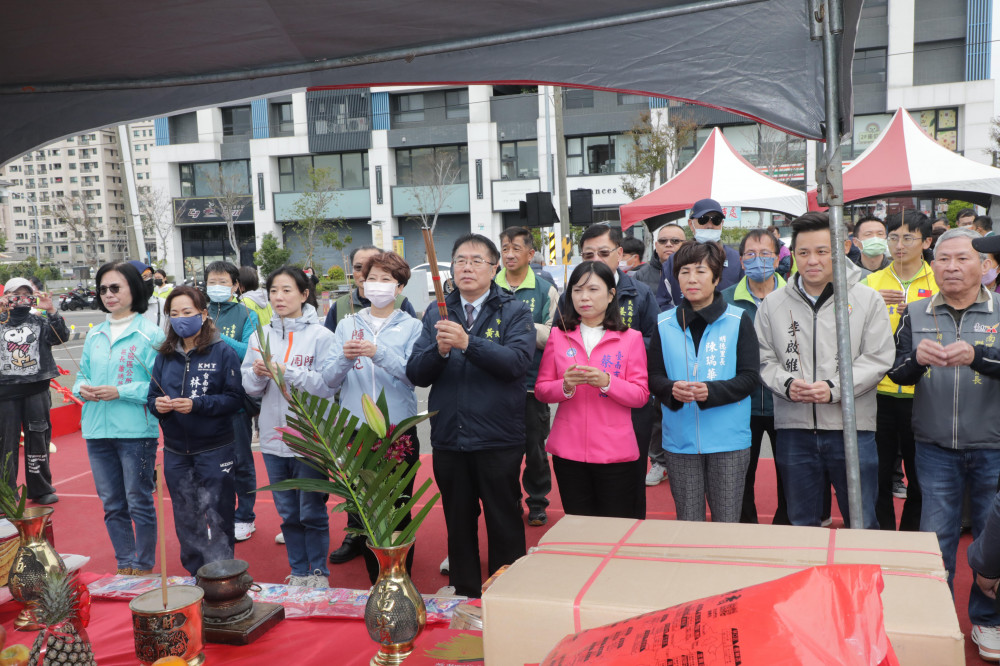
(476, 362)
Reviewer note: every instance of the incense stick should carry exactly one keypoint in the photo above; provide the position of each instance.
(151, 377)
(161, 520)
(435, 273)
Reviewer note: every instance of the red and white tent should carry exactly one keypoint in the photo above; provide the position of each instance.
(905, 160)
(717, 172)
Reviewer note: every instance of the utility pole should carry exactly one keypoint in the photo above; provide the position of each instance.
(135, 238)
(557, 105)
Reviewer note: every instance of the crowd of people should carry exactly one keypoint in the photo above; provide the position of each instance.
(687, 360)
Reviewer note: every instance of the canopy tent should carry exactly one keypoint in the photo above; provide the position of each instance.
(718, 172)
(904, 160)
(68, 67)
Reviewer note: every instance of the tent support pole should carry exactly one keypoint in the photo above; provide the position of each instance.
(831, 183)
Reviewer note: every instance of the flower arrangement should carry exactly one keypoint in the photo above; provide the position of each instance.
(363, 461)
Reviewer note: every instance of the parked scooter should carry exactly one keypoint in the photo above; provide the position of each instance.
(75, 300)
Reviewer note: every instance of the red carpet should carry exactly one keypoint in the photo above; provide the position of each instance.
(78, 524)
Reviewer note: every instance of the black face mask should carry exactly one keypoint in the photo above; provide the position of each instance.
(158, 282)
(20, 312)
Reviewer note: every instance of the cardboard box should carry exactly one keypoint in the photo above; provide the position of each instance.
(658, 564)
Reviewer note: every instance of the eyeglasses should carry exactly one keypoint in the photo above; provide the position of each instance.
(716, 220)
(603, 253)
(475, 262)
(669, 241)
(113, 288)
(905, 241)
(750, 256)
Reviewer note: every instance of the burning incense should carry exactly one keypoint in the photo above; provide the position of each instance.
(435, 273)
(162, 525)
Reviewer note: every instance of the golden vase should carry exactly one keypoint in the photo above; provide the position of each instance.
(395, 613)
(35, 560)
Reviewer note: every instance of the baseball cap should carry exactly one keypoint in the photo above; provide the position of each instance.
(987, 244)
(139, 266)
(704, 206)
(16, 283)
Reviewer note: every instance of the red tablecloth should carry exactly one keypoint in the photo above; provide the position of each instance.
(300, 642)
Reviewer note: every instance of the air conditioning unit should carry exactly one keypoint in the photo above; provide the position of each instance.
(357, 125)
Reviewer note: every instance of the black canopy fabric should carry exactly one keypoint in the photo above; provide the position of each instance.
(69, 67)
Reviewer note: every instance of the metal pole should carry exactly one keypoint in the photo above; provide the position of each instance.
(557, 104)
(834, 188)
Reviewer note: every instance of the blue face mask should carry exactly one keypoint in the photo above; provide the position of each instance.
(218, 293)
(186, 326)
(757, 269)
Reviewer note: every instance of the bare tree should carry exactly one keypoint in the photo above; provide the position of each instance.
(309, 212)
(75, 212)
(230, 198)
(158, 216)
(434, 176)
(777, 151)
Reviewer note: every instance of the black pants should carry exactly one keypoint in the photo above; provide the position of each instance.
(466, 479)
(30, 415)
(758, 426)
(642, 424)
(594, 489)
(894, 434)
(537, 476)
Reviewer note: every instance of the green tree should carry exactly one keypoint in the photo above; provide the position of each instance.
(271, 256)
(3, 243)
(954, 206)
(309, 213)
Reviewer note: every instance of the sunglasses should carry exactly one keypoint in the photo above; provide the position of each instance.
(113, 288)
(716, 220)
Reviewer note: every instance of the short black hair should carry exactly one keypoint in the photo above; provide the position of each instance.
(133, 279)
(760, 233)
(868, 218)
(983, 222)
(362, 247)
(36, 282)
(223, 267)
(161, 272)
(914, 221)
(302, 281)
(478, 239)
(632, 245)
(248, 279)
(965, 212)
(941, 219)
(693, 252)
(812, 221)
(569, 318)
(598, 230)
(510, 233)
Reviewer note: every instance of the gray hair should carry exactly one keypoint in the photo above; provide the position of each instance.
(960, 232)
(656, 233)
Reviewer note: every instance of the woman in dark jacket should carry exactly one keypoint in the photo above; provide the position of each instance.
(195, 393)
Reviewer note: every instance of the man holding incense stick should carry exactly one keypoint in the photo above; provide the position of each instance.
(799, 364)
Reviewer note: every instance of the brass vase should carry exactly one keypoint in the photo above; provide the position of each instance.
(395, 613)
(35, 560)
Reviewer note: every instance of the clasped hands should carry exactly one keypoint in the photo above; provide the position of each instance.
(450, 335)
(932, 352)
(98, 393)
(576, 375)
(165, 404)
(802, 391)
(354, 349)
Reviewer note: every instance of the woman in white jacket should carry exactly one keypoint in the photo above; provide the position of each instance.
(297, 340)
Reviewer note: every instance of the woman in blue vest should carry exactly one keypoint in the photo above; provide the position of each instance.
(703, 365)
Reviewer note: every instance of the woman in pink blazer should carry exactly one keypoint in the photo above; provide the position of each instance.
(594, 367)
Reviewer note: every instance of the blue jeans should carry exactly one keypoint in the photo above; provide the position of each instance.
(204, 501)
(304, 520)
(123, 475)
(246, 474)
(803, 458)
(945, 474)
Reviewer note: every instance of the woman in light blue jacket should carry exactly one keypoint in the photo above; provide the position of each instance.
(370, 354)
(121, 434)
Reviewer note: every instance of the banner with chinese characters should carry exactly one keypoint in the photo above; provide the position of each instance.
(209, 210)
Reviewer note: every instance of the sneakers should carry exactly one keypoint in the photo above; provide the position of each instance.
(899, 489)
(537, 517)
(279, 538)
(826, 522)
(444, 567)
(988, 640)
(446, 591)
(244, 530)
(657, 473)
(298, 581)
(52, 448)
(317, 579)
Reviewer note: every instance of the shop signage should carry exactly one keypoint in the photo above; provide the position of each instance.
(208, 210)
(508, 194)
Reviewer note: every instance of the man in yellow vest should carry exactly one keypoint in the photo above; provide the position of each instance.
(905, 280)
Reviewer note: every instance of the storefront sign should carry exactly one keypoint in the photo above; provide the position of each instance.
(607, 189)
(208, 210)
(508, 194)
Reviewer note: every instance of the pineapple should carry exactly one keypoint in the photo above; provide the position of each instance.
(60, 642)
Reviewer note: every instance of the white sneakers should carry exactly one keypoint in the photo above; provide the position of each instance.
(279, 538)
(244, 530)
(444, 567)
(656, 474)
(988, 640)
(316, 580)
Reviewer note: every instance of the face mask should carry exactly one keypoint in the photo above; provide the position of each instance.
(380, 294)
(186, 326)
(874, 247)
(623, 266)
(708, 235)
(158, 282)
(758, 270)
(218, 293)
(20, 312)
(989, 276)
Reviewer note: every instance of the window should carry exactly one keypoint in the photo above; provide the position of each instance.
(626, 98)
(518, 159)
(349, 171)
(456, 103)
(597, 154)
(418, 166)
(578, 99)
(135, 133)
(200, 179)
(281, 119)
(408, 108)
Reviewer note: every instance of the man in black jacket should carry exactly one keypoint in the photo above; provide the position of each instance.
(476, 362)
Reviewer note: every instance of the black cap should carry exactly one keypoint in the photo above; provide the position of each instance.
(987, 244)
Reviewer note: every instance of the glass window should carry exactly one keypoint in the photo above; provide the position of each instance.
(574, 157)
(598, 153)
(418, 166)
(519, 159)
(626, 98)
(408, 108)
(353, 171)
(457, 103)
(236, 121)
(578, 99)
(347, 170)
(281, 119)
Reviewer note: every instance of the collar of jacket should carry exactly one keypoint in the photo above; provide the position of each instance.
(221, 307)
(742, 291)
(982, 297)
(609, 336)
(529, 280)
(495, 295)
(796, 286)
(365, 317)
(626, 285)
(654, 261)
(925, 271)
(179, 345)
(709, 313)
(356, 297)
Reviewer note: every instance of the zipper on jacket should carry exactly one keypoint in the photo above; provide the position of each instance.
(815, 314)
(954, 402)
(187, 366)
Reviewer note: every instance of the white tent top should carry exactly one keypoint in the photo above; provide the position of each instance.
(905, 160)
(717, 172)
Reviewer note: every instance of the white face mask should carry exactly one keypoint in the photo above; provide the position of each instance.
(380, 294)
(623, 266)
(708, 235)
